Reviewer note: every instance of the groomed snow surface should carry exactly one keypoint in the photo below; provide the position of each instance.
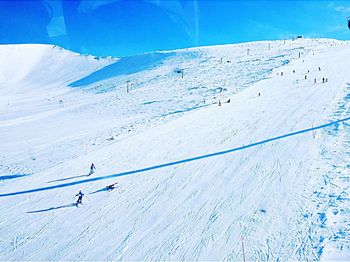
(193, 183)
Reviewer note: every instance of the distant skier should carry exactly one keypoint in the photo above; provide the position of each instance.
(80, 198)
(111, 186)
(319, 68)
(92, 169)
(219, 102)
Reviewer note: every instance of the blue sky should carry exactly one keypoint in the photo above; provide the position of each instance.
(125, 27)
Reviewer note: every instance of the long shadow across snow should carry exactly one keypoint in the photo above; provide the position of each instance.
(67, 178)
(51, 208)
(124, 66)
(6, 177)
(175, 162)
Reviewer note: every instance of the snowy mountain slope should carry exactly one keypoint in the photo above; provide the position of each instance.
(35, 64)
(156, 95)
(286, 199)
(35, 74)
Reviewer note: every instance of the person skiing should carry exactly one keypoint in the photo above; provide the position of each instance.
(80, 198)
(92, 169)
(111, 187)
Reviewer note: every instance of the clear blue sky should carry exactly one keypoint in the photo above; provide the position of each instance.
(125, 27)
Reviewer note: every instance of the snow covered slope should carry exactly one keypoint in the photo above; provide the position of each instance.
(192, 183)
(44, 64)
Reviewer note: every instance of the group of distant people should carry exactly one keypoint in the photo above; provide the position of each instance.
(228, 101)
(324, 80)
(81, 194)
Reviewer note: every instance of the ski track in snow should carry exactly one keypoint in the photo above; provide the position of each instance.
(285, 197)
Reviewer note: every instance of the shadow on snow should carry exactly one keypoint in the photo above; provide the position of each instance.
(175, 162)
(51, 208)
(104, 189)
(67, 178)
(12, 176)
(124, 66)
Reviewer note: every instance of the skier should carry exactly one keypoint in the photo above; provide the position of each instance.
(219, 102)
(80, 198)
(92, 169)
(111, 187)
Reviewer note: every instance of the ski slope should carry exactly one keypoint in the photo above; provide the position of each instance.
(195, 180)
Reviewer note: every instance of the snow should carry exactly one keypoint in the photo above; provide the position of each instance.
(194, 179)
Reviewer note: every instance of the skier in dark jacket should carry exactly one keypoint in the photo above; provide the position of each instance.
(92, 169)
(80, 198)
(111, 187)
